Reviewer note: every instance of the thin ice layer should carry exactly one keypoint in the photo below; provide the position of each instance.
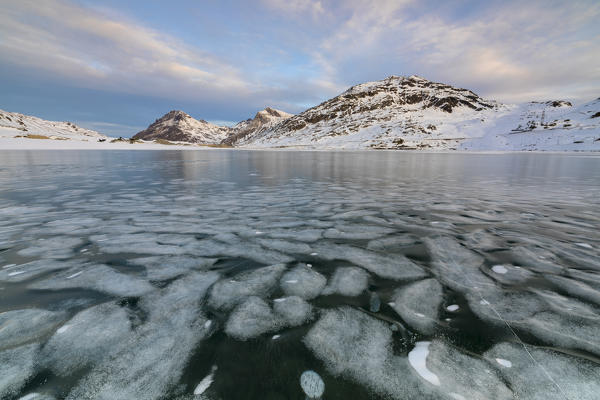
(303, 281)
(251, 318)
(418, 304)
(17, 365)
(23, 272)
(18, 327)
(57, 247)
(228, 292)
(465, 375)
(149, 364)
(356, 346)
(552, 376)
(396, 267)
(347, 281)
(86, 339)
(96, 277)
(160, 268)
(293, 310)
(456, 266)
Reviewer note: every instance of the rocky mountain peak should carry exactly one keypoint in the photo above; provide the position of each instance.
(179, 126)
(263, 120)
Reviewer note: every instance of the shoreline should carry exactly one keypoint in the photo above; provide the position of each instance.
(25, 144)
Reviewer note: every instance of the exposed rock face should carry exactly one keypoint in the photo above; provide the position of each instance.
(178, 126)
(263, 120)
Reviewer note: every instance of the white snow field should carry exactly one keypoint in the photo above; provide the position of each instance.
(216, 275)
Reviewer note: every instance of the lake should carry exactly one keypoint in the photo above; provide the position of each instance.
(226, 274)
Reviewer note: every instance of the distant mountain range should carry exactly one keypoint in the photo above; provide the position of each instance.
(394, 113)
(177, 126)
(405, 113)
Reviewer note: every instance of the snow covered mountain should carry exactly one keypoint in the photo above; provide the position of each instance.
(551, 125)
(414, 113)
(262, 121)
(18, 125)
(177, 126)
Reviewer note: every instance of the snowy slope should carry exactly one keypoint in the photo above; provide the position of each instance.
(263, 120)
(414, 113)
(15, 124)
(178, 126)
(551, 125)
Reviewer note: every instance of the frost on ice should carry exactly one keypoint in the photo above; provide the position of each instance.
(16, 366)
(396, 267)
(228, 292)
(303, 282)
(138, 367)
(347, 281)
(358, 347)
(418, 304)
(545, 374)
(86, 339)
(96, 277)
(251, 318)
(293, 310)
(22, 326)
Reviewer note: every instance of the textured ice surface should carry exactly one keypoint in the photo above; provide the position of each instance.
(37, 396)
(463, 374)
(576, 289)
(351, 232)
(396, 267)
(285, 246)
(251, 318)
(417, 359)
(509, 274)
(22, 326)
(537, 259)
(535, 314)
(368, 227)
(418, 304)
(167, 267)
(553, 375)
(16, 366)
(293, 310)
(86, 338)
(303, 282)
(569, 306)
(237, 248)
(228, 292)
(205, 382)
(58, 247)
(22, 272)
(455, 265)
(149, 363)
(358, 347)
(396, 240)
(302, 235)
(347, 281)
(312, 384)
(97, 277)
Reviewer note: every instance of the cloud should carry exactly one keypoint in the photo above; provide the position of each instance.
(293, 8)
(94, 50)
(512, 51)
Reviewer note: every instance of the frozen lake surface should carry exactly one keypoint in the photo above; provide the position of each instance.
(227, 274)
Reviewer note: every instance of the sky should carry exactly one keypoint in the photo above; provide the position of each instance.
(115, 66)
